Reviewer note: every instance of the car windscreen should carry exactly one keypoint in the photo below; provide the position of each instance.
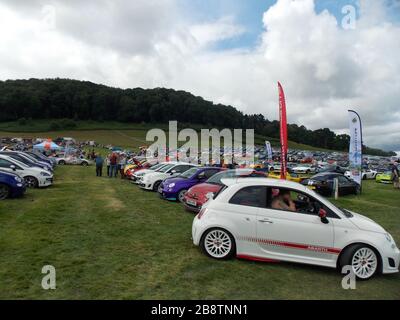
(188, 173)
(347, 213)
(34, 155)
(216, 179)
(157, 166)
(22, 159)
(166, 168)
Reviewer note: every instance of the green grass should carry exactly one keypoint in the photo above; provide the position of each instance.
(127, 135)
(109, 240)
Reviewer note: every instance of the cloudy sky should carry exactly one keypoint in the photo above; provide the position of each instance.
(228, 51)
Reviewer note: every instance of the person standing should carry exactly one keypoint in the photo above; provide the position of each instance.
(113, 165)
(108, 164)
(395, 177)
(99, 165)
(121, 164)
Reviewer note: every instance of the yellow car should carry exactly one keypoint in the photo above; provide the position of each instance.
(290, 177)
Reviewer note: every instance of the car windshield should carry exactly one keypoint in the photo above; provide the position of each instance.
(188, 173)
(29, 157)
(23, 160)
(35, 156)
(347, 213)
(157, 166)
(165, 168)
(216, 179)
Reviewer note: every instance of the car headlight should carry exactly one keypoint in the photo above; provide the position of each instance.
(18, 179)
(171, 185)
(388, 237)
(44, 174)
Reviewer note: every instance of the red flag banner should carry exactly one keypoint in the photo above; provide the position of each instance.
(283, 130)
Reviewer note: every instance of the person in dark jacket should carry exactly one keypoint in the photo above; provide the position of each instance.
(99, 165)
(113, 165)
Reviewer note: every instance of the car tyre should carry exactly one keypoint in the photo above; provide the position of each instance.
(363, 259)
(4, 191)
(181, 195)
(61, 162)
(218, 244)
(84, 163)
(31, 182)
(156, 185)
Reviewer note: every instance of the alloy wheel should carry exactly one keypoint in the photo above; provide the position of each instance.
(31, 182)
(364, 263)
(218, 243)
(181, 195)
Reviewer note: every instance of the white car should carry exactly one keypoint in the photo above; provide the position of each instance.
(152, 180)
(138, 175)
(366, 174)
(304, 169)
(34, 177)
(73, 160)
(246, 220)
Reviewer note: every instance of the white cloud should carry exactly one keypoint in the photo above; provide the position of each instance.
(324, 69)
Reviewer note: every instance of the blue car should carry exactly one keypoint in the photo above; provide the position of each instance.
(11, 185)
(175, 188)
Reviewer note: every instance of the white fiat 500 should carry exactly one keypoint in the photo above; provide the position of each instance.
(274, 220)
(152, 180)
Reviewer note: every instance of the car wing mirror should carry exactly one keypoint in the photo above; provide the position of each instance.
(323, 216)
(13, 167)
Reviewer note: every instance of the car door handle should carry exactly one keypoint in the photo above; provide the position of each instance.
(265, 221)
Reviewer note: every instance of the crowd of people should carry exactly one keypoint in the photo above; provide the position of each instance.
(115, 164)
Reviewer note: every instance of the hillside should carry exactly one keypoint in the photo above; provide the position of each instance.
(74, 101)
(127, 135)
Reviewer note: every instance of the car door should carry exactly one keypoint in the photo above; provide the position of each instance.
(345, 186)
(242, 211)
(294, 236)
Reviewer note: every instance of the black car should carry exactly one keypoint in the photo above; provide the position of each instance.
(322, 183)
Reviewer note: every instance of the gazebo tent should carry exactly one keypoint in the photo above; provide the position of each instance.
(46, 145)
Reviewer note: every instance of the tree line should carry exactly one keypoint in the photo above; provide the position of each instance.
(83, 100)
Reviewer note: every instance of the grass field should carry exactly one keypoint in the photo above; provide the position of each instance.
(109, 240)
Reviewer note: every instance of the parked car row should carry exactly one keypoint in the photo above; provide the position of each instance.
(20, 170)
(242, 213)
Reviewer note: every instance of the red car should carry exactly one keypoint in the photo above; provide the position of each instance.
(197, 195)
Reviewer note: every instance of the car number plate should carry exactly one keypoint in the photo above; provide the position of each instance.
(191, 202)
(311, 187)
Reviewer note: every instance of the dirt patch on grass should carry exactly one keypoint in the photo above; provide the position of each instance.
(113, 202)
(108, 197)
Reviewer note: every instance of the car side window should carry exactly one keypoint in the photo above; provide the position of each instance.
(342, 180)
(283, 199)
(254, 196)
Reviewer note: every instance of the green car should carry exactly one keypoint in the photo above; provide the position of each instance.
(385, 177)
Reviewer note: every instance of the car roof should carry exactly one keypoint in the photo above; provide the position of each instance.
(263, 181)
(327, 173)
